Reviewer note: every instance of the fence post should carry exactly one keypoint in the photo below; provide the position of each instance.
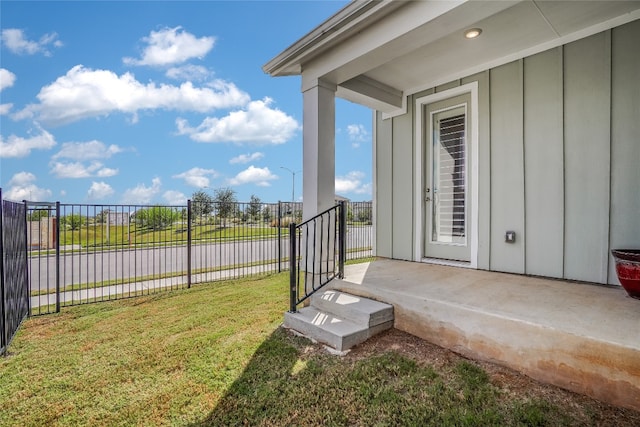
(293, 287)
(342, 255)
(279, 225)
(57, 257)
(189, 217)
(3, 330)
(28, 259)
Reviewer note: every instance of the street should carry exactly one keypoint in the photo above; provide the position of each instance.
(88, 268)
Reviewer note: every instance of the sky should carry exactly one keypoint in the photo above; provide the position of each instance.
(146, 102)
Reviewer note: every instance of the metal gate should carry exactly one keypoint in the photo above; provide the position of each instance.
(14, 281)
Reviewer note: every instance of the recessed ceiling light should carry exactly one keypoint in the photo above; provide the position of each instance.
(472, 33)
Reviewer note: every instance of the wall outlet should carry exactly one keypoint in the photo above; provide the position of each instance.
(510, 237)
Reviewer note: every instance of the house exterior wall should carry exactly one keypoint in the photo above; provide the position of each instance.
(559, 161)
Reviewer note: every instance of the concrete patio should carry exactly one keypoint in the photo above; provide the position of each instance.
(581, 337)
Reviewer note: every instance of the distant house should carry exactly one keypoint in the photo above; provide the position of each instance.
(118, 218)
(339, 199)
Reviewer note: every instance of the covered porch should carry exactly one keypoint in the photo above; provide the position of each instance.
(578, 336)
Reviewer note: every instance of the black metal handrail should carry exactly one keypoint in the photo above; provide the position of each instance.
(317, 253)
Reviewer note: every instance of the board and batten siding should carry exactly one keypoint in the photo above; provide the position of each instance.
(559, 161)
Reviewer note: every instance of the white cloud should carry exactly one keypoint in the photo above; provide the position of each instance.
(254, 175)
(189, 72)
(357, 134)
(197, 177)
(7, 78)
(99, 190)
(22, 187)
(141, 194)
(5, 108)
(80, 170)
(257, 123)
(15, 40)
(86, 150)
(107, 172)
(16, 146)
(174, 198)
(246, 158)
(352, 183)
(172, 46)
(84, 93)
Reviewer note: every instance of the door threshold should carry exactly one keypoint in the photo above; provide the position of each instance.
(448, 262)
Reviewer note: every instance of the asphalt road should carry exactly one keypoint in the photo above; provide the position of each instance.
(88, 268)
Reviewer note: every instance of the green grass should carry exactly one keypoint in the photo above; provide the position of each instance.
(215, 355)
(136, 279)
(95, 235)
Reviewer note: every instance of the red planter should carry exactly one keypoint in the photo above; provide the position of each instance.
(628, 269)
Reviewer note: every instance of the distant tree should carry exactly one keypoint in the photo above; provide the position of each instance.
(101, 217)
(225, 203)
(201, 204)
(156, 217)
(364, 215)
(266, 214)
(253, 210)
(36, 214)
(73, 221)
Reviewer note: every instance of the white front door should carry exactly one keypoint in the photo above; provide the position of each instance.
(446, 179)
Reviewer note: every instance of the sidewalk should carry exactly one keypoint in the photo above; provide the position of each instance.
(125, 290)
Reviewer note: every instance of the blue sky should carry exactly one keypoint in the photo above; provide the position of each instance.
(146, 102)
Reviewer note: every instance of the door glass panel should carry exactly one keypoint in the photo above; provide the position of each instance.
(449, 177)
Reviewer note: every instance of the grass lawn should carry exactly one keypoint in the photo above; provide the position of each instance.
(215, 355)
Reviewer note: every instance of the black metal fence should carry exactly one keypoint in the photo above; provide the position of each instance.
(82, 253)
(14, 284)
(319, 247)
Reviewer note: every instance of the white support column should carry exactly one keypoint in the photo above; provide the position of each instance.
(318, 182)
(318, 153)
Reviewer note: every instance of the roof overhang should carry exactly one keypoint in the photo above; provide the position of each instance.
(379, 51)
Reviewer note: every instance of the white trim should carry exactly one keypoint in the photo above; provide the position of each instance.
(374, 190)
(448, 262)
(472, 89)
(396, 113)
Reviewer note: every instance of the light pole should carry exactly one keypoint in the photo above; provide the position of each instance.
(293, 184)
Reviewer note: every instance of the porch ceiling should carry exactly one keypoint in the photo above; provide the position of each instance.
(392, 49)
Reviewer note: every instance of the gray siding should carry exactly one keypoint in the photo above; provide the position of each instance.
(624, 216)
(383, 196)
(402, 197)
(559, 161)
(507, 173)
(544, 164)
(586, 135)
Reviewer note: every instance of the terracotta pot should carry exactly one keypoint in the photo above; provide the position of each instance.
(628, 270)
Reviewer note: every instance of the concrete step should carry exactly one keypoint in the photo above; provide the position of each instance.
(340, 320)
(328, 329)
(357, 309)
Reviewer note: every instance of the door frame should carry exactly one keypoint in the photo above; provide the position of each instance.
(419, 168)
